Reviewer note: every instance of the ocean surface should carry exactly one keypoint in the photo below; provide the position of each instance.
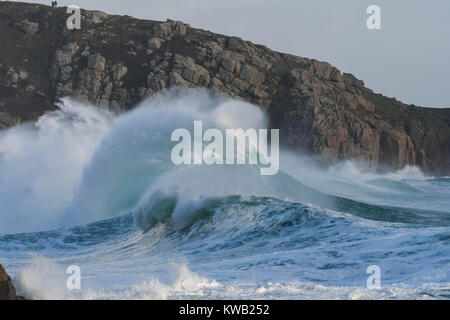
(83, 186)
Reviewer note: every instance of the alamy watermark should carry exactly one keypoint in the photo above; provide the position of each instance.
(74, 280)
(374, 280)
(241, 147)
(73, 22)
(374, 20)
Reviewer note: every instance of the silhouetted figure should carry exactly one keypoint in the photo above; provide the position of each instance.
(54, 4)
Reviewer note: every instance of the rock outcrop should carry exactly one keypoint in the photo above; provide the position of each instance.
(117, 61)
(7, 290)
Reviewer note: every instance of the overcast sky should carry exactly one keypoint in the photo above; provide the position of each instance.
(409, 58)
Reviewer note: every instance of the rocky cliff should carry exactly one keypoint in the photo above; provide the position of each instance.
(7, 290)
(117, 61)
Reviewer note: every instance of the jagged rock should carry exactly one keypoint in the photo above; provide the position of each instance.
(240, 84)
(213, 49)
(350, 79)
(156, 84)
(323, 69)
(302, 76)
(6, 120)
(97, 62)
(190, 71)
(240, 45)
(7, 290)
(261, 62)
(11, 77)
(96, 17)
(23, 75)
(163, 30)
(119, 71)
(175, 79)
(251, 75)
(63, 58)
(228, 64)
(197, 75)
(154, 43)
(178, 26)
(29, 27)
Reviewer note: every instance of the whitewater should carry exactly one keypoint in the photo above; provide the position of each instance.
(87, 187)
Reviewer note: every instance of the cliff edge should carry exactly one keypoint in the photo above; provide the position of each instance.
(7, 290)
(118, 61)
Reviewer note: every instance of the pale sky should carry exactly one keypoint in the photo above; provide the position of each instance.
(409, 58)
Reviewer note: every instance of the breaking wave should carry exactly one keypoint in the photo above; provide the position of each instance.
(87, 187)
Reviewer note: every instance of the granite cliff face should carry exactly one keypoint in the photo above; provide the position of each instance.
(117, 61)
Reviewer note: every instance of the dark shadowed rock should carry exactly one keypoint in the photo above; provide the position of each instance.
(7, 290)
(118, 61)
(27, 27)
